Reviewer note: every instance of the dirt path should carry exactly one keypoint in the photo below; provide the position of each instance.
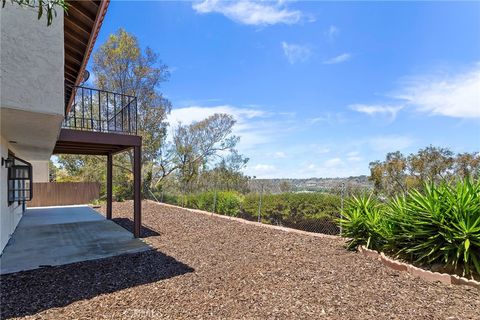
(207, 267)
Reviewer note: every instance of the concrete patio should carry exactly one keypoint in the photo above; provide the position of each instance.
(52, 236)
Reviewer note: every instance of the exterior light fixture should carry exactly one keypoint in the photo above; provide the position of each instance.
(7, 162)
(86, 76)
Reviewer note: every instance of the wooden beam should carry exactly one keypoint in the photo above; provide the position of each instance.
(76, 8)
(88, 153)
(91, 137)
(101, 10)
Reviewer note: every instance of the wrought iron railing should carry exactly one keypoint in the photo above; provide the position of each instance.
(102, 111)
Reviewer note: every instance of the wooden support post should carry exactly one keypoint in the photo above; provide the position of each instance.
(109, 185)
(137, 190)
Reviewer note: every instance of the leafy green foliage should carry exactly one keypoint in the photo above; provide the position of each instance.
(441, 224)
(399, 173)
(292, 208)
(223, 202)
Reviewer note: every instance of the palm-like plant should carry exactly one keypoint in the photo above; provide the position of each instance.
(441, 224)
(362, 221)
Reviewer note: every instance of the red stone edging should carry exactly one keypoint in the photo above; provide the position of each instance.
(258, 224)
(418, 272)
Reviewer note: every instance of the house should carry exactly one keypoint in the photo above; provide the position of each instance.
(45, 110)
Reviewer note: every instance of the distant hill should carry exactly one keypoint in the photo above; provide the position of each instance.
(311, 184)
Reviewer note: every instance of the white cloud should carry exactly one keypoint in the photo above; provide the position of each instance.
(254, 126)
(279, 155)
(329, 118)
(251, 12)
(338, 59)
(451, 95)
(334, 162)
(332, 32)
(263, 171)
(296, 53)
(388, 143)
(377, 109)
(191, 114)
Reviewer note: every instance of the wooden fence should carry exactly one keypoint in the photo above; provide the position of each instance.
(63, 193)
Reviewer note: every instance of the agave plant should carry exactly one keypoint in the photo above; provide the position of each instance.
(362, 222)
(440, 224)
(443, 225)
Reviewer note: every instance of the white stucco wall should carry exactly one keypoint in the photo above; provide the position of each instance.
(41, 172)
(31, 94)
(9, 215)
(31, 61)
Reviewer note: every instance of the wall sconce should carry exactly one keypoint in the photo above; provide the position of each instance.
(7, 162)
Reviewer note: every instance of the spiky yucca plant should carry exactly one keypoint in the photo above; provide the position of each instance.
(441, 224)
(362, 221)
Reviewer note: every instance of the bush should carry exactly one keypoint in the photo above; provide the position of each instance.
(226, 202)
(439, 225)
(292, 208)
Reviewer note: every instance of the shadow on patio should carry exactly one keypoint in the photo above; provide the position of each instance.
(30, 292)
(127, 223)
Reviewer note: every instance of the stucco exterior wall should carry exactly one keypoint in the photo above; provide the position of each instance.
(31, 95)
(41, 172)
(9, 215)
(31, 61)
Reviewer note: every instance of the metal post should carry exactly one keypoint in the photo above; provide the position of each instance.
(215, 200)
(137, 185)
(109, 185)
(99, 112)
(341, 207)
(91, 110)
(260, 206)
(83, 111)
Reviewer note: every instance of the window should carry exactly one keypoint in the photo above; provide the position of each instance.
(19, 180)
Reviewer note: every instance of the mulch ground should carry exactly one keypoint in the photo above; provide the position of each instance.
(207, 267)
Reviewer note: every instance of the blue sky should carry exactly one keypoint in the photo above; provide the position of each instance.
(319, 89)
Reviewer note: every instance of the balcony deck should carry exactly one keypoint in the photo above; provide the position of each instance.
(101, 111)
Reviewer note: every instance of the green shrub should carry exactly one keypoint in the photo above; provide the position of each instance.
(292, 208)
(222, 202)
(229, 203)
(441, 224)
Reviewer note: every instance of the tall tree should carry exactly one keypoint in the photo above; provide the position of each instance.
(398, 173)
(193, 146)
(121, 66)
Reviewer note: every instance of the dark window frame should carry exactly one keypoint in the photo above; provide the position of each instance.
(19, 181)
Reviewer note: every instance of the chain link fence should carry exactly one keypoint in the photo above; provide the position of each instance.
(312, 211)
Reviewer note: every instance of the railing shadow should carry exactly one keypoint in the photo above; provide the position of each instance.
(27, 293)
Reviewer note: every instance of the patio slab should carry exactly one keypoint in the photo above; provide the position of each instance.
(53, 236)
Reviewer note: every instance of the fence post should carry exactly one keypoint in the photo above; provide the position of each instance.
(215, 200)
(260, 206)
(341, 207)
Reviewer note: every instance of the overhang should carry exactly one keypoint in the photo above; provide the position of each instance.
(94, 143)
(82, 24)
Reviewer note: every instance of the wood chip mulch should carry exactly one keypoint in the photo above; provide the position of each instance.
(205, 267)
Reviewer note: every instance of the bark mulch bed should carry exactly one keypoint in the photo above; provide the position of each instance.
(206, 267)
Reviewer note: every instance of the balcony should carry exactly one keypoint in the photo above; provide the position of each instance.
(102, 111)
